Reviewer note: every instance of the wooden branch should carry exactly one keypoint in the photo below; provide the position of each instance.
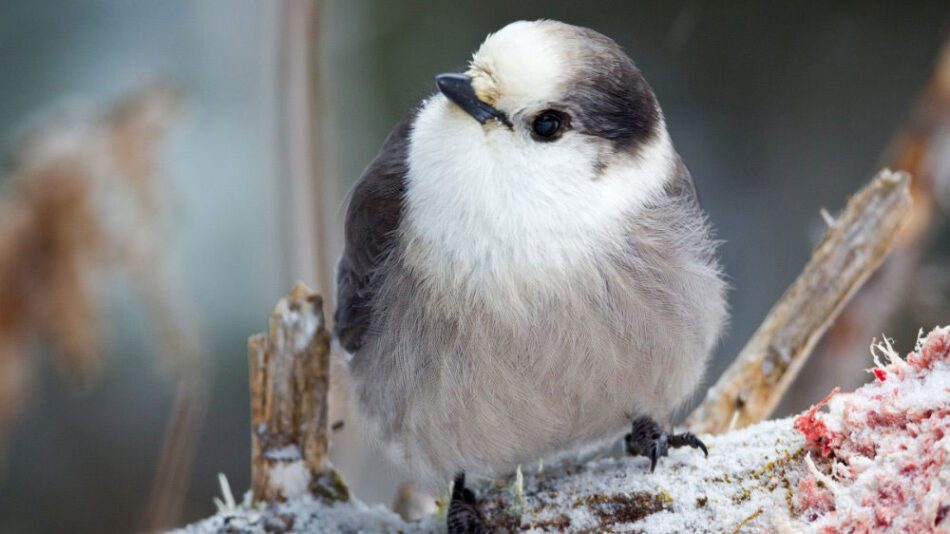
(920, 147)
(852, 248)
(289, 378)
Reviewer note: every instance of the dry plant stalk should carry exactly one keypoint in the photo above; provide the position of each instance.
(289, 380)
(308, 199)
(83, 198)
(853, 247)
(80, 198)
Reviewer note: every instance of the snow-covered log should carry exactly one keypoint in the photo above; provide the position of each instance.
(871, 460)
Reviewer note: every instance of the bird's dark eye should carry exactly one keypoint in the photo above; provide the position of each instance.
(548, 124)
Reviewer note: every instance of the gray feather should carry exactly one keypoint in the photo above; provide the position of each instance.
(453, 384)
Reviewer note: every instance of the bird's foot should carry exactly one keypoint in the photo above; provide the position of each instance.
(648, 439)
(463, 516)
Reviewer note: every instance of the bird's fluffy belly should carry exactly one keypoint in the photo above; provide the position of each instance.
(479, 387)
(495, 411)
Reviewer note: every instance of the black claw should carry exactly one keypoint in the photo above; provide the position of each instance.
(463, 516)
(460, 492)
(688, 439)
(648, 439)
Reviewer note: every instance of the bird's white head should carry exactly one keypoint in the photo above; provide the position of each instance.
(537, 153)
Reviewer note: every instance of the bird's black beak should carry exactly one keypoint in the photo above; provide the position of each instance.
(458, 89)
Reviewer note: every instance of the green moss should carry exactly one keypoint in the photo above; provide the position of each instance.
(746, 521)
(765, 469)
(331, 487)
(625, 508)
(790, 498)
(743, 496)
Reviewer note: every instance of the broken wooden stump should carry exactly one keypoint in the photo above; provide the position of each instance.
(289, 381)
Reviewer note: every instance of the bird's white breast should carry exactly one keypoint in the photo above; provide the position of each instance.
(491, 209)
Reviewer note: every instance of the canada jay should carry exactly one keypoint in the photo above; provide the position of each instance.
(527, 268)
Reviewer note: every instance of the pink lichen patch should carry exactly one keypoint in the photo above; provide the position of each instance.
(813, 500)
(936, 348)
(813, 427)
(888, 447)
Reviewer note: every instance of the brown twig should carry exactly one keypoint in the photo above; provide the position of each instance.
(852, 248)
(173, 471)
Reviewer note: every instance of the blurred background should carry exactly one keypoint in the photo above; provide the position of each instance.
(171, 168)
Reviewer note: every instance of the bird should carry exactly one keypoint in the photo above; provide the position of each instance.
(527, 271)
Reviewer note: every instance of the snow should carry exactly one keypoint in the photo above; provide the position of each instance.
(304, 514)
(747, 475)
(291, 478)
(744, 478)
(869, 461)
(301, 320)
(287, 454)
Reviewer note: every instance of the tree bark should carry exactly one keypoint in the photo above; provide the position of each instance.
(289, 378)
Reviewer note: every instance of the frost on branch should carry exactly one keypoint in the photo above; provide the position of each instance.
(871, 460)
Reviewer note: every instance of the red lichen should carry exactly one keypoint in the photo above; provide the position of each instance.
(889, 447)
(936, 348)
(814, 500)
(813, 427)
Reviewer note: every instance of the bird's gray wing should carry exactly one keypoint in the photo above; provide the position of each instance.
(372, 221)
(678, 219)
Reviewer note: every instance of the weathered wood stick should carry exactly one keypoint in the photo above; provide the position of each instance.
(921, 147)
(289, 378)
(853, 247)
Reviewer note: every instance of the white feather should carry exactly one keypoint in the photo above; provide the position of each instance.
(492, 206)
(520, 63)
